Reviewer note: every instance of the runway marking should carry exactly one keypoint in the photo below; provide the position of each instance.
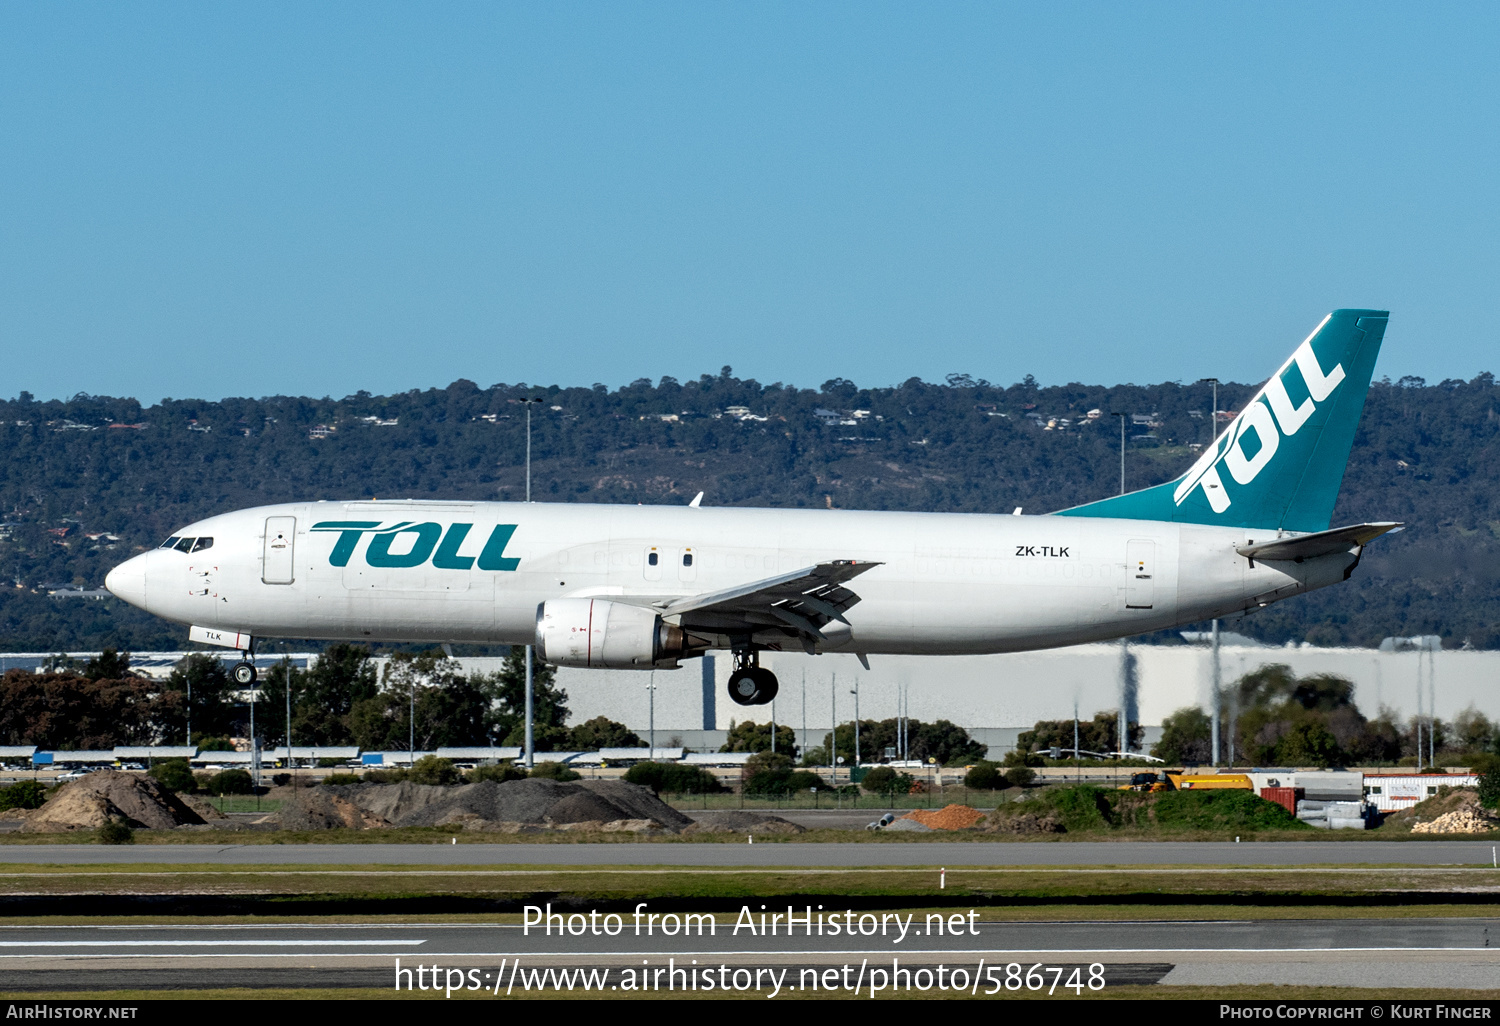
(691, 871)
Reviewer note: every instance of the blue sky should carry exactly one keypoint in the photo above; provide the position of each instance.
(216, 199)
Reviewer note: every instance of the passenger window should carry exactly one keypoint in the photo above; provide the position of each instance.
(170, 542)
(203, 543)
(185, 545)
(652, 559)
(687, 559)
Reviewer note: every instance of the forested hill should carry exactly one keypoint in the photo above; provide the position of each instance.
(86, 482)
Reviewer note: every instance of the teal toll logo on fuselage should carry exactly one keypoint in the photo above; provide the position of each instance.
(431, 541)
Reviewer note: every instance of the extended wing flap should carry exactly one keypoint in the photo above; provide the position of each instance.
(802, 601)
(1323, 543)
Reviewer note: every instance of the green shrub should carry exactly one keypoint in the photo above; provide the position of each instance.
(499, 774)
(986, 777)
(340, 780)
(394, 775)
(1081, 807)
(1489, 787)
(174, 775)
(431, 770)
(555, 771)
(674, 778)
(330, 763)
(1017, 757)
(885, 780)
(281, 779)
(1020, 776)
(216, 744)
(1229, 808)
(785, 781)
(116, 832)
(25, 794)
(231, 781)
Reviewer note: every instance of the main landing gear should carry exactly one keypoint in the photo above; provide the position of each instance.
(751, 683)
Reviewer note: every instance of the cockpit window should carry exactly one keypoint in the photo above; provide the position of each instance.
(203, 543)
(170, 543)
(185, 545)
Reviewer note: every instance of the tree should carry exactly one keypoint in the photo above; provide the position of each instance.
(108, 665)
(747, 736)
(549, 703)
(1100, 734)
(59, 710)
(602, 732)
(451, 708)
(323, 696)
(1186, 737)
(214, 711)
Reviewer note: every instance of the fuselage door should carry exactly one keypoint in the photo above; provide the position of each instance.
(276, 567)
(1140, 573)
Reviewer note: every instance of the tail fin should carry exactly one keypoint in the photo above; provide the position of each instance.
(1281, 462)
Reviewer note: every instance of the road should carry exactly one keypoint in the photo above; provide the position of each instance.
(1356, 953)
(833, 855)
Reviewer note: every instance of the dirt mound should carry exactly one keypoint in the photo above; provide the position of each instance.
(949, 817)
(108, 794)
(740, 822)
(1460, 821)
(587, 804)
(1024, 823)
(317, 809)
(203, 807)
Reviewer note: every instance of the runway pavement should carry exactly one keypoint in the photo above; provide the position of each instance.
(1355, 953)
(832, 855)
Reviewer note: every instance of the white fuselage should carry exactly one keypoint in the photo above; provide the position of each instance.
(947, 583)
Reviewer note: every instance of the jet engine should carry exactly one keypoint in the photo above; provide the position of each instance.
(605, 634)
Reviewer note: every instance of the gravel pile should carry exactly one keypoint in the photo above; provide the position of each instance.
(109, 794)
(1460, 821)
(741, 822)
(904, 825)
(586, 804)
(949, 817)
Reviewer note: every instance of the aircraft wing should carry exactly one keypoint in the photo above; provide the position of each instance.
(801, 602)
(1323, 543)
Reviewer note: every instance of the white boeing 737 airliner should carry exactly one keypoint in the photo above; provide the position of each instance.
(643, 587)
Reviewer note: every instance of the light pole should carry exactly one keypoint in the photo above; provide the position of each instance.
(289, 761)
(833, 735)
(1218, 684)
(855, 693)
(804, 712)
(1122, 417)
(651, 689)
(530, 703)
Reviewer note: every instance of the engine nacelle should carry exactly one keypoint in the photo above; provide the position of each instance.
(604, 634)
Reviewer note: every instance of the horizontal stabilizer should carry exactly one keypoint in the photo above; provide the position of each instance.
(1323, 543)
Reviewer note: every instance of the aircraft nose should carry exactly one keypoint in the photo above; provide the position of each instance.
(128, 581)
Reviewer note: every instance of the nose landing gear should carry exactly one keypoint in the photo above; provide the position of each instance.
(751, 683)
(244, 673)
